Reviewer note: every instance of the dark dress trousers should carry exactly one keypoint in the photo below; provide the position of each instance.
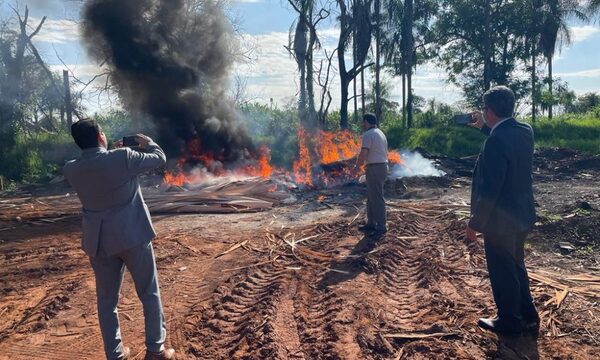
(502, 208)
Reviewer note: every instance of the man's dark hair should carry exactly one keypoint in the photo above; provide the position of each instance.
(501, 100)
(370, 118)
(85, 133)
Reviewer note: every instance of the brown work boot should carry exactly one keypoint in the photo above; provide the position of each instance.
(166, 354)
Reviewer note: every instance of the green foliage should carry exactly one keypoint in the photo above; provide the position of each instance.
(579, 132)
(574, 131)
(39, 157)
(446, 140)
(275, 128)
(115, 124)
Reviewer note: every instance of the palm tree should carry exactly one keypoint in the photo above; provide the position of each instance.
(556, 31)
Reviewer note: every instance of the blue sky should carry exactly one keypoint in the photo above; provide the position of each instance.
(264, 25)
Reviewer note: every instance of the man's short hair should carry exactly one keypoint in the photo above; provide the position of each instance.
(501, 100)
(370, 118)
(85, 133)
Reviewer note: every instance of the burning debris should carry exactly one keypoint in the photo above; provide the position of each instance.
(325, 159)
(171, 62)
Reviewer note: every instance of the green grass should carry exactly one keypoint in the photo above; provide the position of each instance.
(578, 132)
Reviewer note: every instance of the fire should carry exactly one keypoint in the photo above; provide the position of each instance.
(337, 146)
(213, 166)
(177, 179)
(264, 168)
(303, 166)
(330, 148)
(316, 151)
(394, 157)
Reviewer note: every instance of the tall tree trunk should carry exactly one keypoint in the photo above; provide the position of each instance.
(300, 53)
(487, 46)
(310, 92)
(409, 100)
(344, 105)
(355, 97)
(533, 82)
(377, 60)
(362, 90)
(550, 81)
(404, 99)
(310, 81)
(354, 85)
(408, 55)
(535, 31)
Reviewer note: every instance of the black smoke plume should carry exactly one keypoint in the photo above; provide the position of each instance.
(170, 61)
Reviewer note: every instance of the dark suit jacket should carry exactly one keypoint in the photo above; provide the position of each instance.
(502, 192)
(115, 216)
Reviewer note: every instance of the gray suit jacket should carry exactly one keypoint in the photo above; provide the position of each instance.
(115, 217)
(502, 192)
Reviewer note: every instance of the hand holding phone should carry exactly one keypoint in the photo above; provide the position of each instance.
(130, 141)
(462, 119)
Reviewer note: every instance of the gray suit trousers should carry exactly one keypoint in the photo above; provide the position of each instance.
(376, 214)
(109, 270)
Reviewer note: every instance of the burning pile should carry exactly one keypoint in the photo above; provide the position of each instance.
(324, 159)
(332, 159)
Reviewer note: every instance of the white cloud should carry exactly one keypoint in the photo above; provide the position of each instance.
(593, 73)
(273, 74)
(582, 33)
(56, 31)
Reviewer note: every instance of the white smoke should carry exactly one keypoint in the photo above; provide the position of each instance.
(414, 164)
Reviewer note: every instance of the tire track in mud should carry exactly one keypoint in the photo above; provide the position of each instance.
(239, 321)
(273, 311)
(408, 265)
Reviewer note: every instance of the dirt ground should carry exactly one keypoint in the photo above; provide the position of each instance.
(301, 282)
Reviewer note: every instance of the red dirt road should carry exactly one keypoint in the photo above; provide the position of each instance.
(416, 293)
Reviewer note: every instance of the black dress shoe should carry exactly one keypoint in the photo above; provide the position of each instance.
(500, 327)
(366, 228)
(531, 326)
(378, 233)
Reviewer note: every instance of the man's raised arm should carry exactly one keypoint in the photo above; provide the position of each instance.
(139, 162)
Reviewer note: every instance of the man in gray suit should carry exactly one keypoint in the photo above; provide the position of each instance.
(117, 231)
(502, 208)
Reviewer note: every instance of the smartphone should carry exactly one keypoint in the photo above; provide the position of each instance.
(462, 119)
(130, 141)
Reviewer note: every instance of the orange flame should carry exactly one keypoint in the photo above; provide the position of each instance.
(337, 146)
(323, 148)
(264, 168)
(303, 166)
(394, 157)
(329, 148)
(177, 179)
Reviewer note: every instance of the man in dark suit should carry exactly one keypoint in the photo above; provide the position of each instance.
(502, 208)
(117, 232)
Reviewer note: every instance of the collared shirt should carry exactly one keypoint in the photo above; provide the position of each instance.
(375, 141)
(498, 124)
(94, 150)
